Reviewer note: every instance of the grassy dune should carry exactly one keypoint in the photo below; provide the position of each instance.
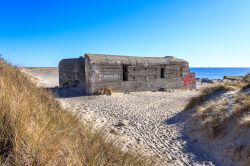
(220, 121)
(206, 93)
(35, 130)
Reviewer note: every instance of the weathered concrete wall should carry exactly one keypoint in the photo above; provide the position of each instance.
(123, 73)
(72, 72)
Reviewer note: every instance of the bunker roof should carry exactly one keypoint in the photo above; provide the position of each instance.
(131, 60)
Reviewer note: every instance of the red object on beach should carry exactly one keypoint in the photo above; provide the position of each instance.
(189, 80)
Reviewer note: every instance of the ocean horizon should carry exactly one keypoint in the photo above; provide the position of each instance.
(219, 72)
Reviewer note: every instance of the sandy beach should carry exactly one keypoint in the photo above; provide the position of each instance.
(140, 121)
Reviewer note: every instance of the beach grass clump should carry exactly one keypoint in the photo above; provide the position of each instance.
(246, 81)
(242, 105)
(212, 117)
(35, 130)
(217, 115)
(246, 87)
(246, 78)
(206, 94)
(105, 91)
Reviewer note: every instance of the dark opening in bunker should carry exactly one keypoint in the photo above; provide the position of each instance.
(125, 73)
(162, 72)
(181, 70)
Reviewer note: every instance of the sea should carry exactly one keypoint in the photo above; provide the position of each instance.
(219, 72)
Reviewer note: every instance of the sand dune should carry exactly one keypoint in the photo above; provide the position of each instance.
(45, 77)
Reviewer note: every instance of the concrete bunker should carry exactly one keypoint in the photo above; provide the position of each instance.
(72, 72)
(125, 73)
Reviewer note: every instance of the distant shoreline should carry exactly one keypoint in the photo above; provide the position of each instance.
(219, 72)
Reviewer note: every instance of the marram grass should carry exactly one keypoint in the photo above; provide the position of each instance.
(35, 130)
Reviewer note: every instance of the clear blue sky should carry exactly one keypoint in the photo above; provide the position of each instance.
(208, 33)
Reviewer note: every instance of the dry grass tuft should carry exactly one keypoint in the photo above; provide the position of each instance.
(206, 93)
(247, 78)
(245, 87)
(105, 91)
(35, 130)
(242, 105)
(246, 81)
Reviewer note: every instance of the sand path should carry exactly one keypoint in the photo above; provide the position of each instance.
(140, 122)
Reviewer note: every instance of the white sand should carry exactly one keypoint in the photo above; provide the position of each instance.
(145, 122)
